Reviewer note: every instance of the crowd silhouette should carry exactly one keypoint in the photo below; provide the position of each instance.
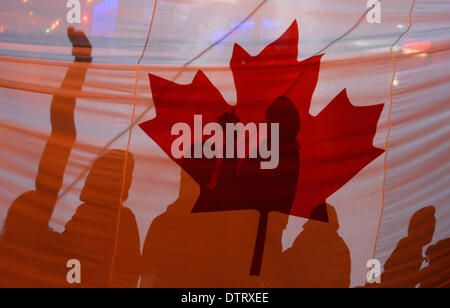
(31, 254)
(198, 241)
(436, 274)
(403, 267)
(201, 250)
(26, 235)
(407, 266)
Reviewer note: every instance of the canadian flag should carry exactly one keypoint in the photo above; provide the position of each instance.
(89, 115)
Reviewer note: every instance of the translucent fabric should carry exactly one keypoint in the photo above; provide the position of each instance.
(80, 179)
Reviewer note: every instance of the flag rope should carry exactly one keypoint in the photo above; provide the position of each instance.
(394, 60)
(133, 113)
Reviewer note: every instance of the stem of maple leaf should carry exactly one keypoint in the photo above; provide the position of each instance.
(259, 245)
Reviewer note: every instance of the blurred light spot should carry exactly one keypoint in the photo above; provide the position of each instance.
(54, 25)
(417, 47)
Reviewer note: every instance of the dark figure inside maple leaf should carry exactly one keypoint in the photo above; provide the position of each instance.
(107, 245)
(319, 257)
(218, 185)
(202, 218)
(243, 185)
(273, 190)
(26, 235)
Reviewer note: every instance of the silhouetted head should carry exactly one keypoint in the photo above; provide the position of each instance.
(228, 117)
(82, 48)
(439, 251)
(422, 225)
(284, 112)
(105, 181)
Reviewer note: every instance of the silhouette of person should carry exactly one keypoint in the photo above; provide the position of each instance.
(273, 190)
(403, 268)
(319, 257)
(26, 237)
(437, 273)
(217, 176)
(185, 249)
(103, 235)
(201, 250)
(241, 184)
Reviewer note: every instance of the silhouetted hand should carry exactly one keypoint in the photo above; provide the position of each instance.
(82, 48)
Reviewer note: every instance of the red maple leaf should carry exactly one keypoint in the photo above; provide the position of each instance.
(334, 145)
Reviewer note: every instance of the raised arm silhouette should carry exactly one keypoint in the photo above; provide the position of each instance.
(27, 241)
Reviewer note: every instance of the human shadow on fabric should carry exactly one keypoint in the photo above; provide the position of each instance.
(26, 240)
(403, 268)
(319, 257)
(103, 235)
(204, 250)
(437, 273)
(207, 237)
(242, 184)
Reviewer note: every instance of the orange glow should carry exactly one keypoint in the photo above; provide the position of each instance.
(54, 25)
(422, 46)
(416, 47)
